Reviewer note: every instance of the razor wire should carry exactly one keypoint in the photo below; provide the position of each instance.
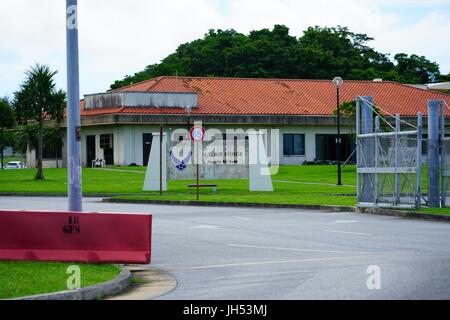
(374, 108)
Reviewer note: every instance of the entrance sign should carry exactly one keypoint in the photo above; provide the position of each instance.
(75, 237)
(214, 155)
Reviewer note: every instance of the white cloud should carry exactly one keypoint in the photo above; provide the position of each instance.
(121, 37)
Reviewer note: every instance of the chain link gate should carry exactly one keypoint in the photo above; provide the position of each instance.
(388, 163)
(445, 171)
(445, 159)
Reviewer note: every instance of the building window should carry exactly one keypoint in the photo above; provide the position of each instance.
(106, 141)
(51, 152)
(294, 144)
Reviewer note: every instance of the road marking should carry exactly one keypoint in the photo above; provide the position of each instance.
(205, 227)
(292, 249)
(244, 264)
(241, 218)
(346, 221)
(182, 267)
(313, 183)
(337, 213)
(344, 232)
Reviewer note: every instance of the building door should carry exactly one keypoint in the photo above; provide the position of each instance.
(90, 150)
(107, 144)
(147, 139)
(326, 147)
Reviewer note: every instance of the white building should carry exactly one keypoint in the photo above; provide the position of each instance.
(117, 126)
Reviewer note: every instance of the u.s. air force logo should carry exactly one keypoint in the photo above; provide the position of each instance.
(180, 164)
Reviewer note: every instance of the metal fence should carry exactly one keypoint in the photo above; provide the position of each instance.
(445, 170)
(388, 163)
(445, 159)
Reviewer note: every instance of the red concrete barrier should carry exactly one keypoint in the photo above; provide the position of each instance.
(75, 237)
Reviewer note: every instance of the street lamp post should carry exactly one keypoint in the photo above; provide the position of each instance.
(188, 110)
(338, 82)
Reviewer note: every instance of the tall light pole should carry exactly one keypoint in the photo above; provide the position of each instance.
(338, 82)
(188, 110)
(73, 109)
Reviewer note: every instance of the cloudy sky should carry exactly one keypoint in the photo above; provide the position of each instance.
(119, 37)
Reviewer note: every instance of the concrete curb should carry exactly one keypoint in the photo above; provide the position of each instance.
(59, 195)
(99, 291)
(232, 204)
(404, 214)
(377, 211)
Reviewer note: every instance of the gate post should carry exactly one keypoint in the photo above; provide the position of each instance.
(368, 150)
(377, 159)
(419, 160)
(397, 155)
(434, 200)
(358, 148)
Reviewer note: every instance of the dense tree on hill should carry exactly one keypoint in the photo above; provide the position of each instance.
(320, 53)
(416, 69)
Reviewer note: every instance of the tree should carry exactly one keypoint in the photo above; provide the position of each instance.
(6, 122)
(348, 109)
(320, 53)
(53, 141)
(327, 52)
(416, 69)
(38, 100)
(26, 138)
(444, 78)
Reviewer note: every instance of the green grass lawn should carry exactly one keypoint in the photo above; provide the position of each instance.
(19, 279)
(293, 185)
(442, 211)
(310, 185)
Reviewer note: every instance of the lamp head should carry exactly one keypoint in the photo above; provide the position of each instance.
(338, 82)
(188, 110)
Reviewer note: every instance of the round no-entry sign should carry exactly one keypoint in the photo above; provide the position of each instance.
(197, 134)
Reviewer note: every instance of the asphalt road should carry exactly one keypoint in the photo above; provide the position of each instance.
(233, 253)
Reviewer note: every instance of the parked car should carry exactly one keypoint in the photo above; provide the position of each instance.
(15, 165)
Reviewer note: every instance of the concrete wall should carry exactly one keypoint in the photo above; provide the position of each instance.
(8, 152)
(46, 163)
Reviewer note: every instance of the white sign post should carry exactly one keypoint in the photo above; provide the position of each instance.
(197, 134)
(156, 166)
(259, 173)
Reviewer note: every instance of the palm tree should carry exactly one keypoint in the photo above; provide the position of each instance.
(53, 141)
(38, 100)
(26, 138)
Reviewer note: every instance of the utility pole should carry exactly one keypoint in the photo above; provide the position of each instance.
(73, 109)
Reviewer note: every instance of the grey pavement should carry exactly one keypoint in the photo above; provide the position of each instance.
(243, 253)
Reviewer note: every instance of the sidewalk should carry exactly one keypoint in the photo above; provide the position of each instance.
(147, 284)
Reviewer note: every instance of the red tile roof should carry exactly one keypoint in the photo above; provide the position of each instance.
(222, 96)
